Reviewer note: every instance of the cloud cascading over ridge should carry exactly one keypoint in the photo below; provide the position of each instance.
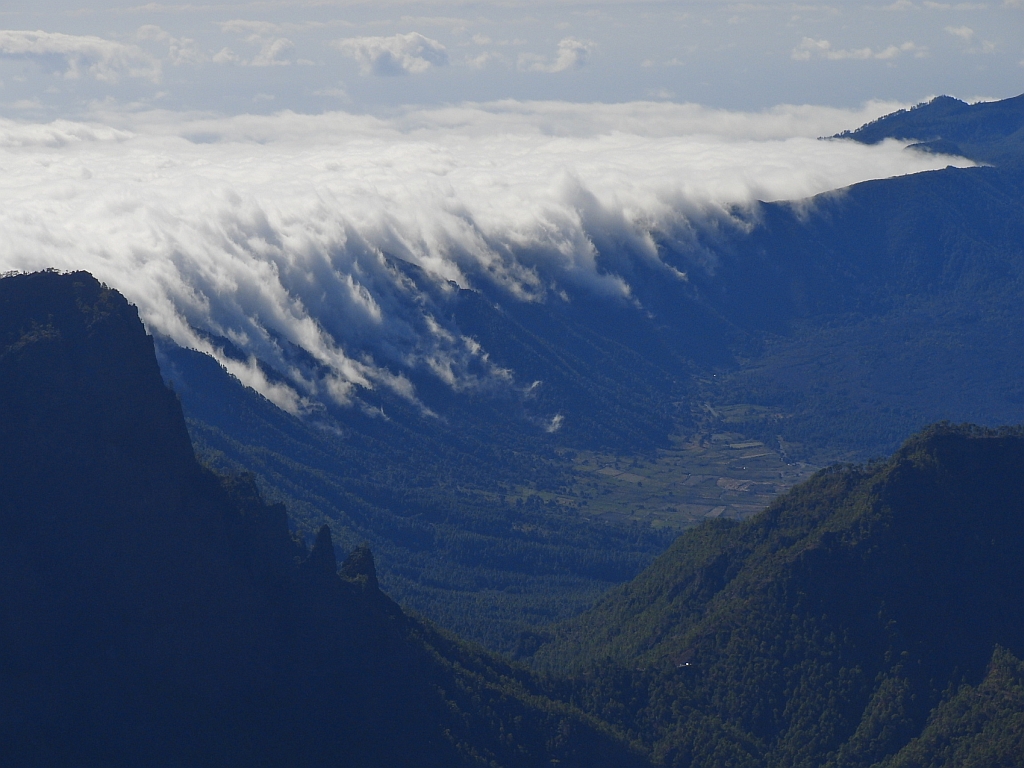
(287, 235)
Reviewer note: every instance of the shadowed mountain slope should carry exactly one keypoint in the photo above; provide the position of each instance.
(835, 327)
(827, 629)
(156, 614)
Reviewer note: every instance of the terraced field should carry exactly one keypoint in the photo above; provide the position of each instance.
(708, 475)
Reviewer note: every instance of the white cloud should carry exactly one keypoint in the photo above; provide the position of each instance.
(964, 33)
(968, 36)
(227, 56)
(272, 52)
(179, 50)
(272, 47)
(482, 60)
(288, 232)
(822, 49)
(570, 54)
(104, 60)
(907, 5)
(409, 54)
(337, 92)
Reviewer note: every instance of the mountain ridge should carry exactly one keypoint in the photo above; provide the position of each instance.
(987, 131)
(827, 629)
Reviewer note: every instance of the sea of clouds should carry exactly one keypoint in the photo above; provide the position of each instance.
(288, 234)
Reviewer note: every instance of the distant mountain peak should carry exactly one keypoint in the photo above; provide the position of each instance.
(988, 131)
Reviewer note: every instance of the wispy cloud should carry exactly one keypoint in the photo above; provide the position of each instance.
(931, 5)
(409, 54)
(81, 55)
(810, 48)
(179, 50)
(970, 39)
(273, 49)
(570, 54)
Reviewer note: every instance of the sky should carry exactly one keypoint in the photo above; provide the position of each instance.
(257, 172)
(63, 57)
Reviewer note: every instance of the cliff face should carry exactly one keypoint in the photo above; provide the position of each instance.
(156, 614)
(143, 605)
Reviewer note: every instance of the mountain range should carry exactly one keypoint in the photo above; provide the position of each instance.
(157, 613)
(664, 589)
(821, 330)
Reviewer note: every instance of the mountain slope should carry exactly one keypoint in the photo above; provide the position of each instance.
(451, 540)
(835, 327)
(826, 629)
(874, 311)
(155, 614)
(989, 131)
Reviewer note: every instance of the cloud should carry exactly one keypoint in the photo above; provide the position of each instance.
(179, 50)
(907, 5)
(323, 246)
(271, 53)
(336, 92)
(964, 33)
(822, 49)
(409, 54)
(104, 60)
(272, 47)
(968, 36)
(571, 54)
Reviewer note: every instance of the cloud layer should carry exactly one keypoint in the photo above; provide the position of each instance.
(291, 235)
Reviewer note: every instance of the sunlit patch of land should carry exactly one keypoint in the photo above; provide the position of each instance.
(709, 474)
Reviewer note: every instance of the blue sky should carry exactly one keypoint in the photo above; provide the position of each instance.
(318, 55)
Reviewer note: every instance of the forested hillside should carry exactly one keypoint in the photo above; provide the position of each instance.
(875, 613)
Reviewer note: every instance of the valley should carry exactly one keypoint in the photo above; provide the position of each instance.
(706, 476)
(732, 517)
(803, 335)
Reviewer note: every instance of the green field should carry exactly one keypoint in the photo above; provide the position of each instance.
(705, 475)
